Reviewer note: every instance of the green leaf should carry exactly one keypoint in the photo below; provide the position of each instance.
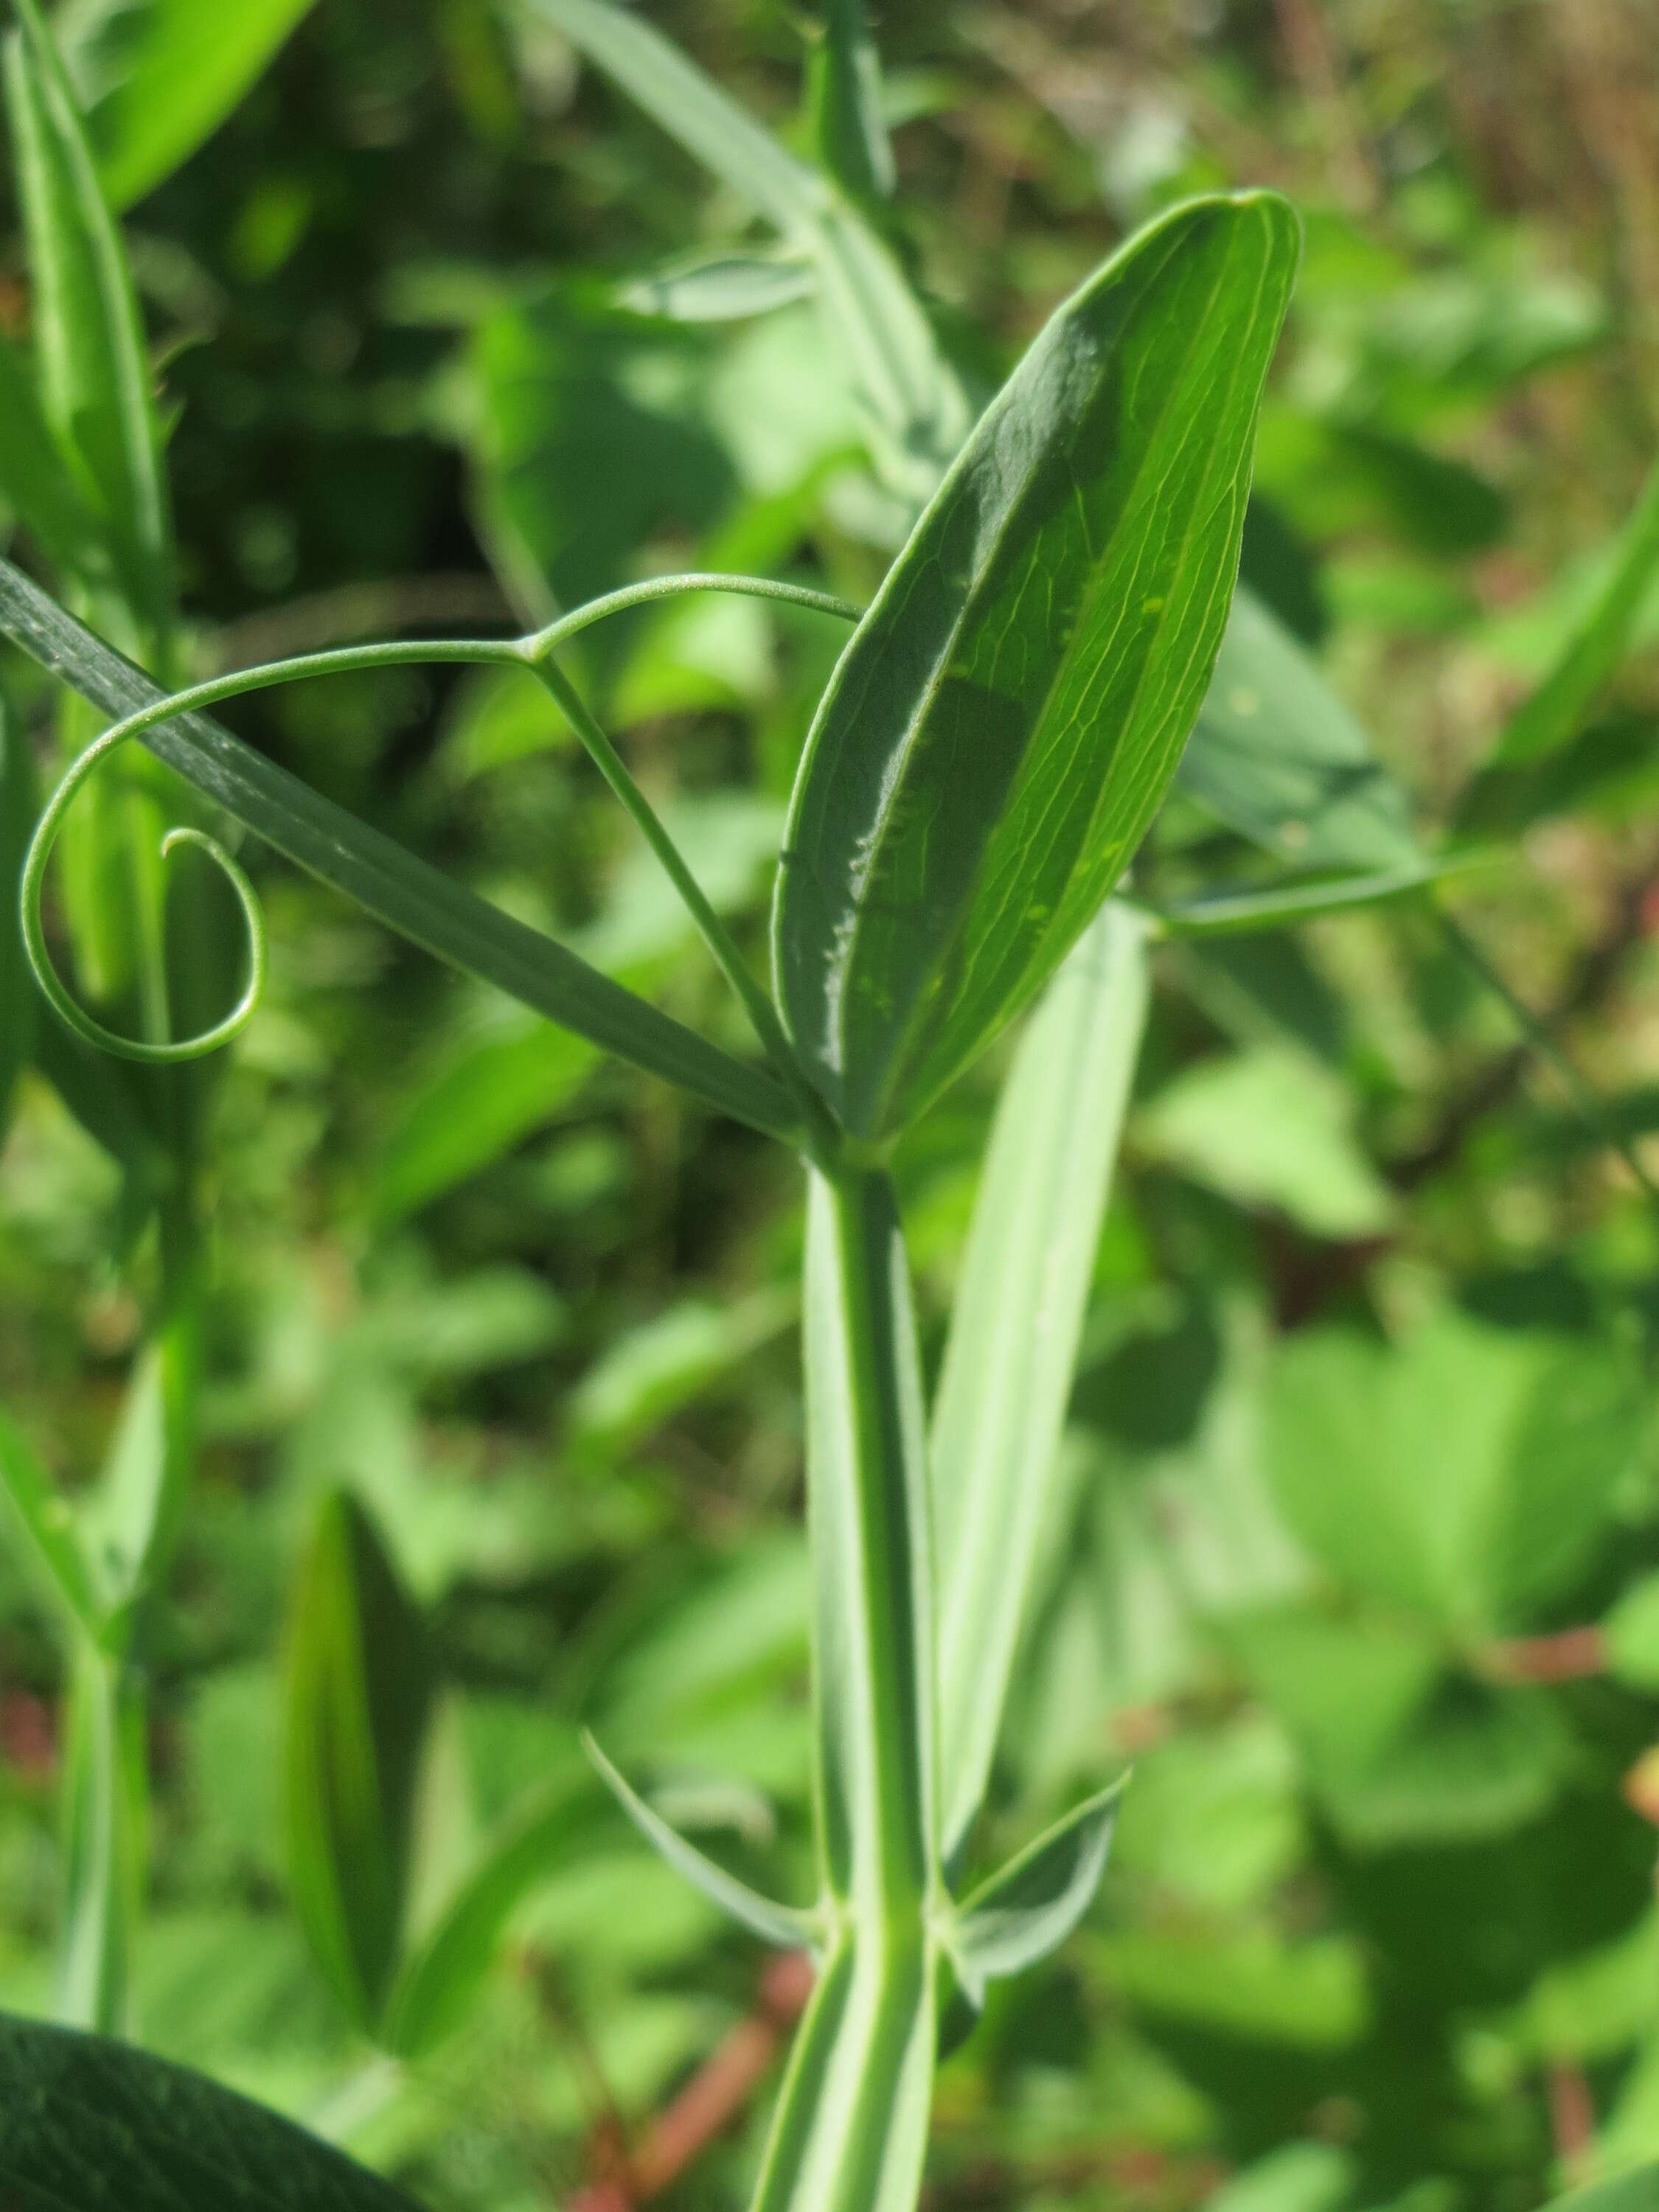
(400, 890)
(1017, 1317)
(1026, 1911)
(780, 1925)
(1270, 1128)
(867, 1519)
(728, 286)
(844, 93)
(89, 340)
(1556, 710)
(18, 810)
(161, 76)
(850, 2131)
(1001, 728)
(83, 2120)
(47, 1525)
(648, 1374)
(1280, 757)
(435, 1991)
(1631, 1631)
(41, 486)
(133, 1519)
(358, 1693)
(1630, 2192)
(1465, 1473)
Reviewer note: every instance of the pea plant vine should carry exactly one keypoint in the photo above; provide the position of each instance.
(997, 737)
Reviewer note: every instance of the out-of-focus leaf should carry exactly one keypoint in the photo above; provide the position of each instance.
(485, 1099)
(1398, 1751)
(439, 1982)
(989, 756)
(722, 287)
(911, 401)
(47, 1522)
(1556, 710)
(88, 337)
(1302, 2177)
(1280, 758)
(1270, 1128)
(1248, 1983)
(1016, 1321)
(417, 901)
(133, 1518)
(79, 2114)
(40, 485)
(1631, 1634)
(1028, 1909)
(1466, 1474)
(359, 1691)
(492, 1317)
(1332, 477)
(1630, 2192)
(845, 97)
(780, 1925)
(159, 76)
(650, 1372)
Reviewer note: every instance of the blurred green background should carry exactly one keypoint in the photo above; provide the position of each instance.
(1359, 1555)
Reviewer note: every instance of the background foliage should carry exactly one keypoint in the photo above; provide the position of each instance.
(1359, 1559)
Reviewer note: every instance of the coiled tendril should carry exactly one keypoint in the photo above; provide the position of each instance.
(154, 1052)
(534, 652)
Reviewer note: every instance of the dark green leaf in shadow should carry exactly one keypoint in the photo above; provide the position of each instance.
(360, 1680)
(1280, 758)
(86, 2123)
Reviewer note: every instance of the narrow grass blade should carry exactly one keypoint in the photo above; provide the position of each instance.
(400, 890)
(845, 97)
(867, 1515)
(47, 1525)
(850, 2131)
(84, 2119)
(1019, 1314)
(675, 93)
(915, 409)
(360, 1681)
(41, 487)
(781, 1924)
(1007, 717)
(1280, 757)
(89, 340)
(1026, 1911)
(1556, 709)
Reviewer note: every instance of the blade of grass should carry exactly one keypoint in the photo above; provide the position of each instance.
(89, 339)
(1016, 1319)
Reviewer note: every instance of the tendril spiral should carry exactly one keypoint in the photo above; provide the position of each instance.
(153, 1052)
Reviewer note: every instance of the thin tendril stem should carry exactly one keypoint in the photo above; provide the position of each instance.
(534, 651)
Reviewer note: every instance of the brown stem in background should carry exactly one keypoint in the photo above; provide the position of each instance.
(1572, 2112)
(1570, 1654)
(709, 2102)
(1317, 67)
